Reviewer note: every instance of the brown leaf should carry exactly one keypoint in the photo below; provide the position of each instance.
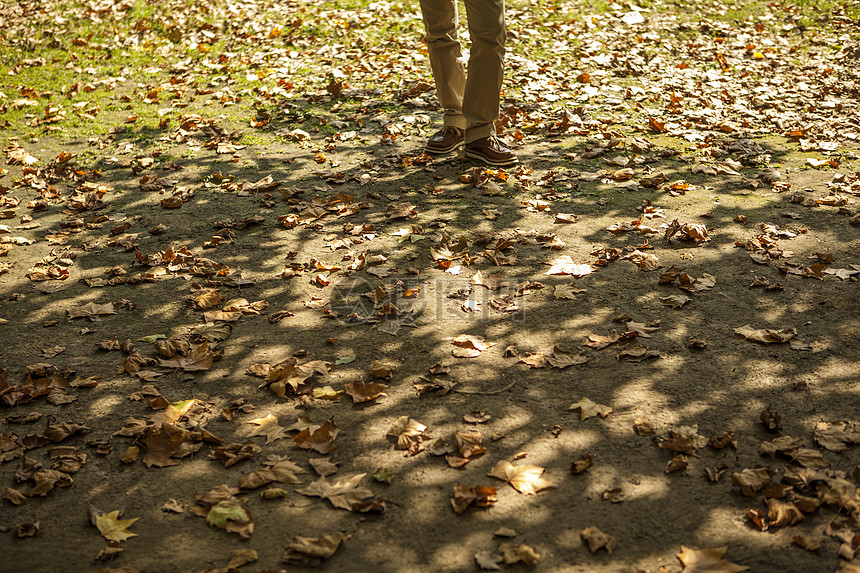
(582, 464)
(320, 440)
(766, 336)
(519, 554)
(361, 392)
(598, 342)
(312, 551)
(91, 311)
(345, 494)
(752, 480)
(597, 539)
(468, 346)
(782, 513)
(836, 436)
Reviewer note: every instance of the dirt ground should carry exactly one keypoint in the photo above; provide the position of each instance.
(294, 244)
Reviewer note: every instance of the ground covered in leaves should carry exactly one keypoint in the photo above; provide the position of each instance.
(247, 325)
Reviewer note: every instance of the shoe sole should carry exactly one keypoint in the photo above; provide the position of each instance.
(493, 162)
(447, 150)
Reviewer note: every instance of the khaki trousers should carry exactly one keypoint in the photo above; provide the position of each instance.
(471, 101)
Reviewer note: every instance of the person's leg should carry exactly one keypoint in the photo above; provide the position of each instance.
(486, 66)
(446, 58)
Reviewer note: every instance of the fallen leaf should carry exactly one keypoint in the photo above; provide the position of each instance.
(344, 494)
(588, 409)
(312, 551)
(361, 392)
(597, 539)
(709, 560)
(113, 528)
(766, 336)
(524, 478)
(267, 426)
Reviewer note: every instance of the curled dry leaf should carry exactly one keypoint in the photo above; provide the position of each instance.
(752, 480)
(783, 513)
(479, 496)
(519, 554)
(524, 478)
(597, 539)
(598, 341)
(320, 440)
(409, 434)
(91, 311)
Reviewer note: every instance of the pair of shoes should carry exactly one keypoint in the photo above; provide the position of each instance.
(491, 151)
(445, 140)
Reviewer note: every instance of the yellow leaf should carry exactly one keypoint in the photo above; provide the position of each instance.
(525, 478)
(113, 528)
(588, 409)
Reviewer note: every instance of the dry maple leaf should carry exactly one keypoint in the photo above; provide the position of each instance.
(562, 359)
(752, 480)
(283, 471)
(113, 528)
(766, 335)
(361, 392)
(449, 250)
(567, 291)
(709, 560)
(598, 341)
(311, 551)
(198, 359)
(91, 311)
(267, 426)
(320, 440)
(588, 409)
(645, 261)
(469, 346)
(524, 478)
(564, 265)
(836, 436)
(675, 301)
(489, 560)
(344, 494)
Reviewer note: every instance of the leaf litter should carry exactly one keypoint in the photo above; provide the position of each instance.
(715, 121)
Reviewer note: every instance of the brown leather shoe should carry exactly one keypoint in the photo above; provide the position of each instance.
(491, 151)
(445, 140)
